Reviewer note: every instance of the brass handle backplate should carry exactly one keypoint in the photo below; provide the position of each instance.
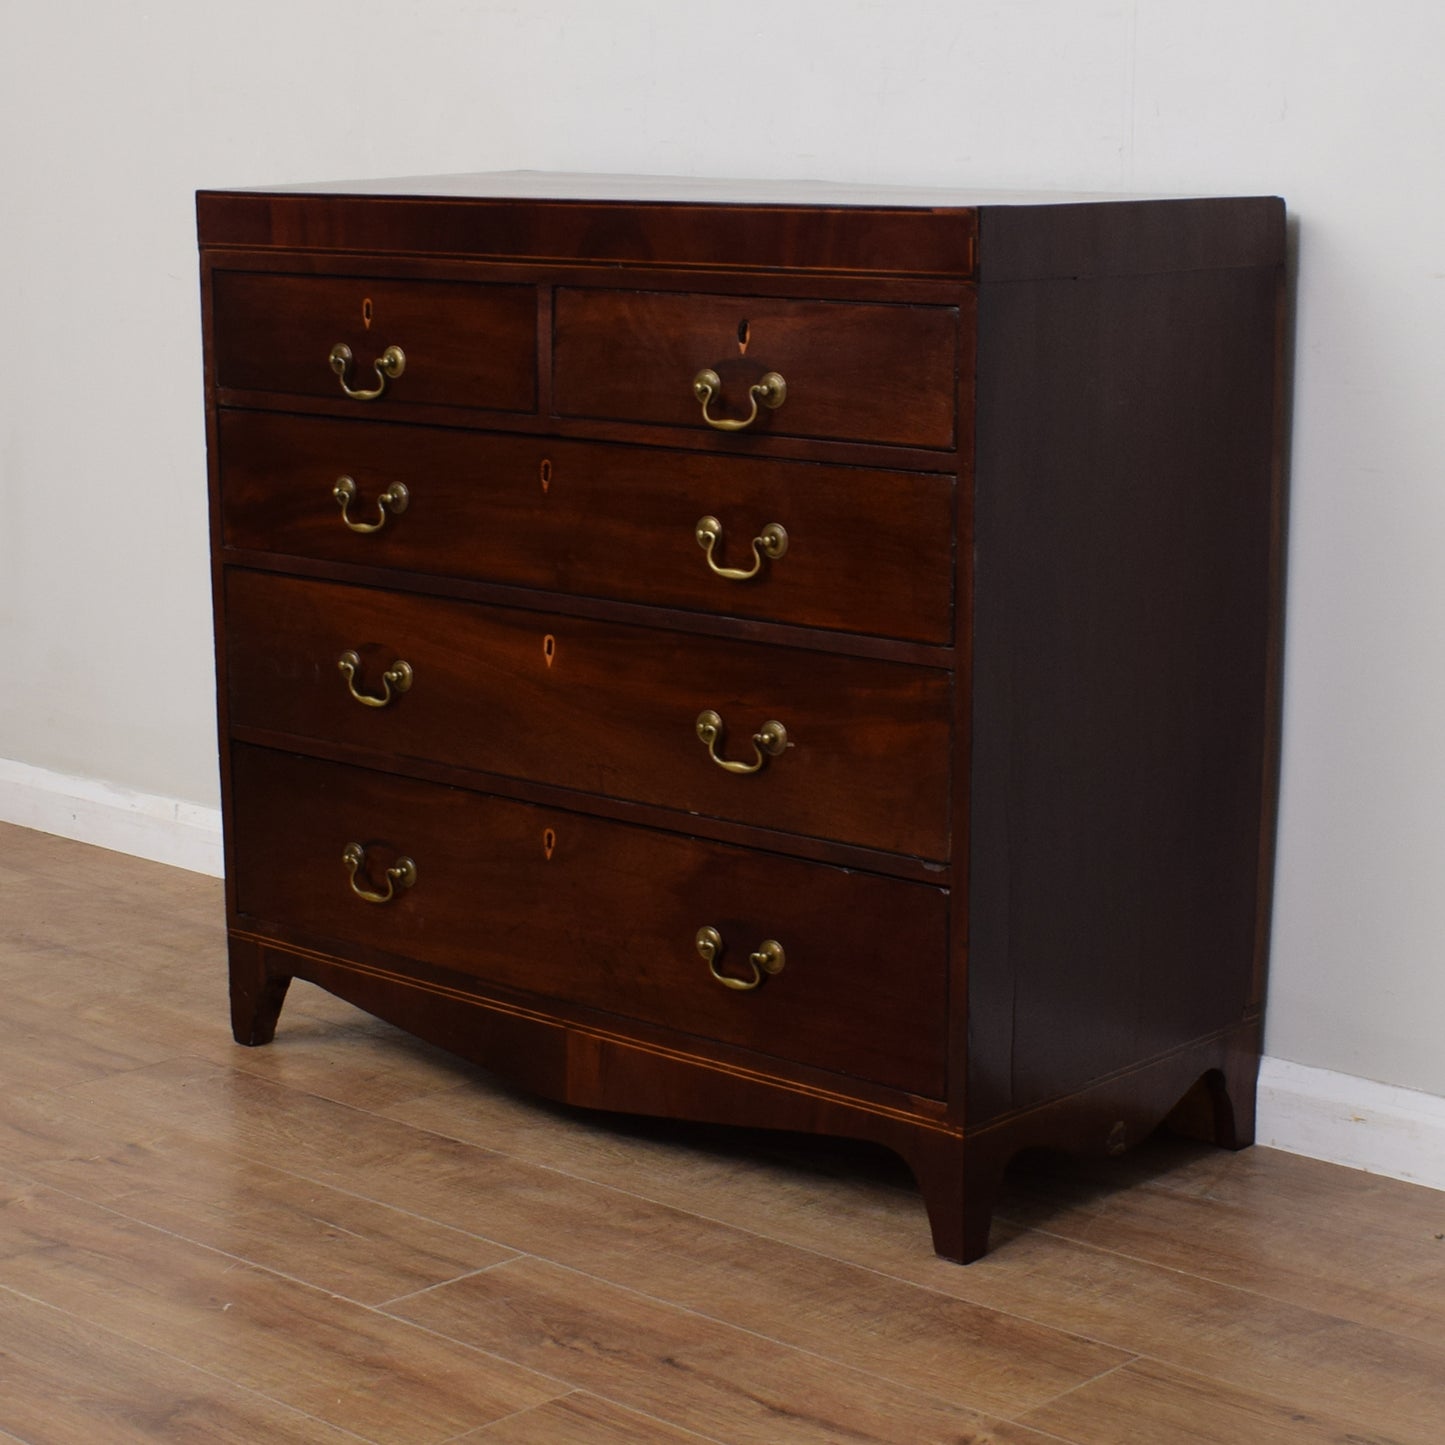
(770, 390)
(391, 503)
(770, 741)
(771, 542)
(401, 874)
(388, 366)
(396, 679)
(769, 959)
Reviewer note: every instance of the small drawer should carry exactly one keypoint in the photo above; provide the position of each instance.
(460, 344)
(860, 551)
(818, 744)
(853, 371)
(599, 914)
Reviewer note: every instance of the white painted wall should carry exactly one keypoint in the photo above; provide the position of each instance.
(112, 114)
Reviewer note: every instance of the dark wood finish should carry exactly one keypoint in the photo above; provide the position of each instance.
(600, 708)
(1032, 242)
(854, 372)
(465, 345)
(1054, 693)
(869, 551)
(909, 236)
(573, 908)
(1121, 654)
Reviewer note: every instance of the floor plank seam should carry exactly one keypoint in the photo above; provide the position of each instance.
(384, 1306)
(1021, 1417)
(471, 1431)
(588, 1394)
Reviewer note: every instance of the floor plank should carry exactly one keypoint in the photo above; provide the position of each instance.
(67, 1382)
(583, 1419)
(1325, 1257)
(331, 1239)
(350, 1236)
(802, 1298)
(679, 1366)
(352, 1367)
(1146, 1403)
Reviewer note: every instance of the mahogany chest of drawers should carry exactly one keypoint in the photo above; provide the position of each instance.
(791, 656)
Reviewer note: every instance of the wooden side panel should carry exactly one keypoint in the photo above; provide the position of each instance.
(1122, 666)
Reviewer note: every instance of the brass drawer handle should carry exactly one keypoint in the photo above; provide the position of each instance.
(771, 542)
(396, 679)
(388, 366)
(401, 874)
(770, 741)
(391, 503)
(769, 959)
(771, 391)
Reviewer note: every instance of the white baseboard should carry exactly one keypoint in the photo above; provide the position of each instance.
(165, 830)
(1356, 1122)
(1322, 1115)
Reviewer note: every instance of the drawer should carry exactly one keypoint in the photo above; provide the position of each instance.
(854, 371)
(601, 707)
(599, 914)
(865, 551)
(462, 344)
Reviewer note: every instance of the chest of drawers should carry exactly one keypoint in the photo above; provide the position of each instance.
(791, 656)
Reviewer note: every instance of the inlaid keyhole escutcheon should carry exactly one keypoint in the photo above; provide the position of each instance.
(549, 843)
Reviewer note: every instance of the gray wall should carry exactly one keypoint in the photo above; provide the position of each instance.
(111, 115)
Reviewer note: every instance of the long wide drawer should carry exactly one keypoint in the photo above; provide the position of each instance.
(460, 343)
(853, 371)
(848, 969)
(860, 550)
(835, 747)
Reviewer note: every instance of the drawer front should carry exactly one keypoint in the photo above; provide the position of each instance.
(462, 344)
(600, 914)
(864, 551)
(854, 371)
(602, 708)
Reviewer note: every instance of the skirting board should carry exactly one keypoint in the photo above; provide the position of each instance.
(165, 830)
(1302, 1110)
(1355, 1122)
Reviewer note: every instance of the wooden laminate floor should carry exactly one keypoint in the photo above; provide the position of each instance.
(349, 1236)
